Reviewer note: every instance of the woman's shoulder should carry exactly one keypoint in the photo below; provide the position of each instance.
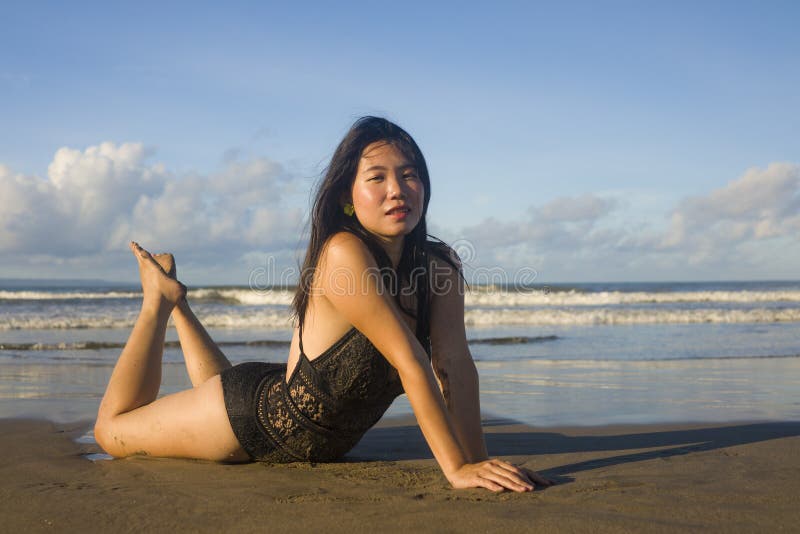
(345, 248)
(344, 240)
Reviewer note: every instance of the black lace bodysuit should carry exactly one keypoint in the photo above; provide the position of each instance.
(320, 412)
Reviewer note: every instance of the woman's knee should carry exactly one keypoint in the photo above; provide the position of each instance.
(106, 438)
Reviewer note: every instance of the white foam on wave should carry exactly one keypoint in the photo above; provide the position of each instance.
(485, 298)
(548, 317)
(250, 319)
(64, 322)
(604, 298)
(259, 318)
(68, 295)
(244, 296)
(233, 295)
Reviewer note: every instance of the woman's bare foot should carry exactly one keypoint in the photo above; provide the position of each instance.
(167, 263)
(161, 292)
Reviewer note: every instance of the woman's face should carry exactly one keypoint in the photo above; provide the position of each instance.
(387, 192)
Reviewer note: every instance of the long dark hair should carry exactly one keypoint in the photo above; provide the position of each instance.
(328, 218)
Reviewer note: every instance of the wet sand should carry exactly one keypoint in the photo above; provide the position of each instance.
(734, 477)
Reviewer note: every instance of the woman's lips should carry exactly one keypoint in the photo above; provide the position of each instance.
(399, 213)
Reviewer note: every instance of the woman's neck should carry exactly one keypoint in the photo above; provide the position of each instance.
(393, 249)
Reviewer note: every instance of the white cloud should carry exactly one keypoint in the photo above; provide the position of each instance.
(98, 199)
(93, 201)
(563, 223)
(761, 204)
(724, 233)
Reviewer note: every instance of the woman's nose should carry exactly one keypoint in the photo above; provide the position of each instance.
(397, 189)
(397, 193)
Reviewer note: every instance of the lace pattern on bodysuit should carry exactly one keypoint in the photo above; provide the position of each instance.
(327, 404)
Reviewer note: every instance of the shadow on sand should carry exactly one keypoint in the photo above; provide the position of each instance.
(407, 443)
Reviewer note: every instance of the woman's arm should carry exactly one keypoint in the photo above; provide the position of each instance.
(452, 361)
(349, 279)
(458, 382)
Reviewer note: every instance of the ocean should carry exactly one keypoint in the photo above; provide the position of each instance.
(563, 354)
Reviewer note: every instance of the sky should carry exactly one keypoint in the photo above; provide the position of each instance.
(569, 141)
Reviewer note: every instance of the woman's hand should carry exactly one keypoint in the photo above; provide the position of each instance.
(496, 475)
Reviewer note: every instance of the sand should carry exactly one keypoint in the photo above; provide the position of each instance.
(735, 477)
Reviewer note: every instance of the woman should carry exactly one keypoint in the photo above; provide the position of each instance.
(379, 307)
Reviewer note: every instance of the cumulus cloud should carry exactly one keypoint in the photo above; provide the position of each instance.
(726, 231)
(237, 209)
(761, 204)
(99, 198)
(565, 222)
(92, 201)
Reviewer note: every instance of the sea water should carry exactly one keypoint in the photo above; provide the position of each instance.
(564, 354)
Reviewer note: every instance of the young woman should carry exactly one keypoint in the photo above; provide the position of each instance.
(379, 310)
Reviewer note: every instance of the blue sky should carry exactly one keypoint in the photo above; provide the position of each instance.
(587, 141)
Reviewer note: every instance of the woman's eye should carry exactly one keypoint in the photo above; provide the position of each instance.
(376, 178)
(410, 176)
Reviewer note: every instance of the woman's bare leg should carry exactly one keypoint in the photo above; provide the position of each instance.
(191, 423)
(202, 356)
(137, 376)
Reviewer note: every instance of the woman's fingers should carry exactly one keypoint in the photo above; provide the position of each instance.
(488, 484)
(504, 477)
(520, 475)
(511, 468)
(525, 474)
(506, 482)
(512, 473)
(497, 475)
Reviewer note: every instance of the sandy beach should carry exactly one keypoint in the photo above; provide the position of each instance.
(733, 477)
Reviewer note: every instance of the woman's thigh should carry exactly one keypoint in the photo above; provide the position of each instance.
(188, 424)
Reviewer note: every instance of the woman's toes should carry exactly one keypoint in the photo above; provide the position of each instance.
(157, 274)
(138, 250)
